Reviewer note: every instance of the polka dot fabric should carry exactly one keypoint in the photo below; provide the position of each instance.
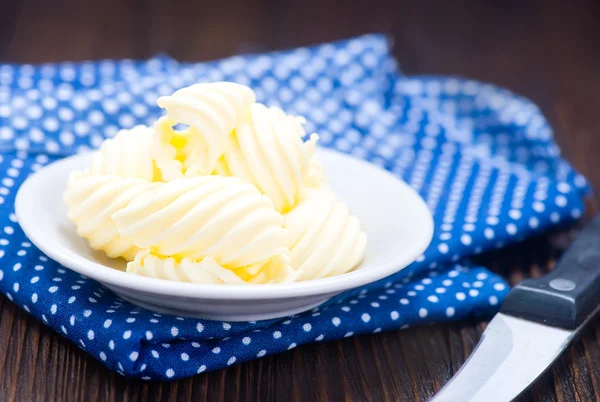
(483, 159)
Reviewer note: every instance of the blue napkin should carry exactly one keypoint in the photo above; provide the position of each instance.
(483, 158)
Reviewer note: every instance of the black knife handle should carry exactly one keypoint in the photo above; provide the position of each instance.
(569, 293)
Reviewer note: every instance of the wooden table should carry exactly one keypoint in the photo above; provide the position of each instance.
(540, 49)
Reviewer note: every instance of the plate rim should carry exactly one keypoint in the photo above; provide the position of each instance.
(123, 280)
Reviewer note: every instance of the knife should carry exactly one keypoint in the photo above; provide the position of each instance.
(539, 318)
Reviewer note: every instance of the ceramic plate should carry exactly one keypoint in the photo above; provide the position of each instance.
(396, 220)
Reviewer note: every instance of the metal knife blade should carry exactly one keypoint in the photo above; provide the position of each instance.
(538, 320)
(511, 354)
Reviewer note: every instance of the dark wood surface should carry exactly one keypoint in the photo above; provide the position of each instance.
(548, 51)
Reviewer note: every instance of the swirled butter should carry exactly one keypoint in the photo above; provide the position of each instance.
(315, 177)
(174, 150)
(324, 239)
(127, 155)
(208, 271)
(267, 150)
(91, 201)
(211, 110)
(237, 196)
(204, 216)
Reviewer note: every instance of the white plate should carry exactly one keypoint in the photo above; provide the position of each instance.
(396, 220)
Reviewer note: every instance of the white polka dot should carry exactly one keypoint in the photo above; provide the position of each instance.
(185, 357)
(554, 217)
(450, 312)
(127, 334)
(563, 187)
(6, 133)
(422, 312)
(216, 350)
(465, 239)
(261, 353)
(538, 206)
(90, 334)
(514, 214)
(50, 124)
(560, 200)
(155, 354)
(170, 373)
(433, 298)
(174, 331)
(460, 296)
(493, 300)
(404, 301)
(199, 327)
(139, 110)
(133, 356)
(247, 340)
(511, 228)
(443, 248)
(53, 309)
(365, 317)
(533, 222)
(126, 120)
(226, 326)
(426, 281)
(232, 360)
(473, 292)
(20, 123)
(492, 220)
(65, 114)
(96, 117)
(276, 334)
(499, 286)
(447, 282)
(336, 321)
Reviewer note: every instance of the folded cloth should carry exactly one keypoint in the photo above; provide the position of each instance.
(482, 158)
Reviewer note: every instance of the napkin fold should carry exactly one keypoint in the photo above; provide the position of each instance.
(483, 159)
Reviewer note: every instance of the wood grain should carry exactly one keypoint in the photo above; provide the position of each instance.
(547, 51)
